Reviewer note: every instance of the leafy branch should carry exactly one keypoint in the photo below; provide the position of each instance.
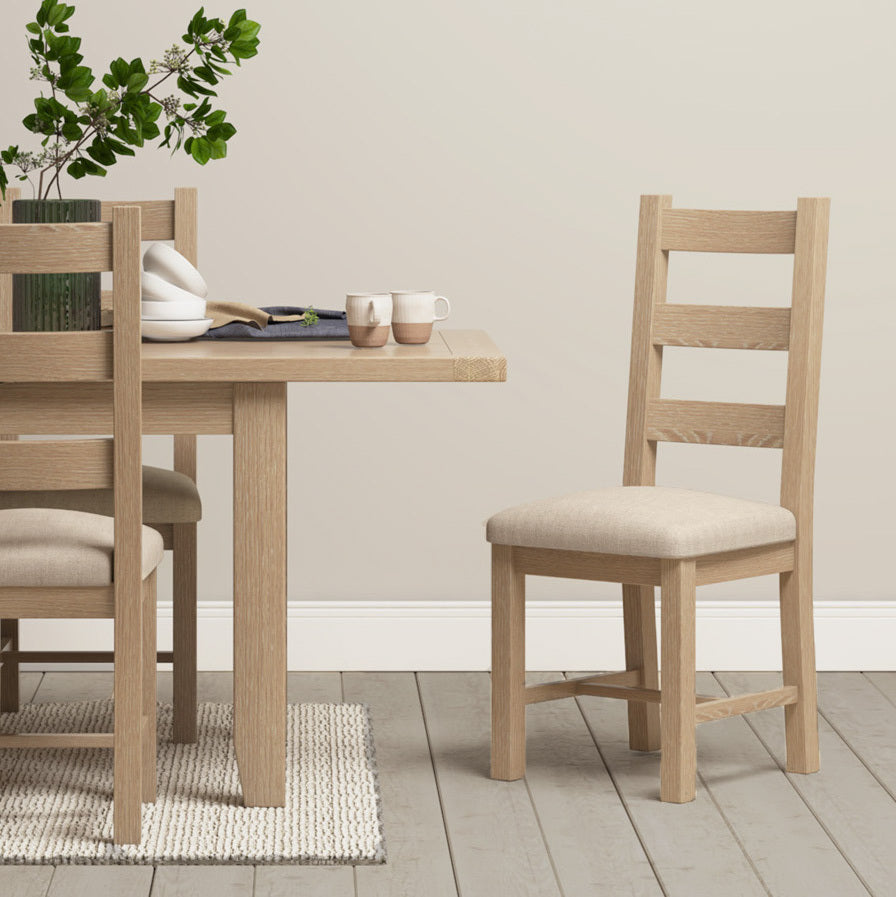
(84, 131)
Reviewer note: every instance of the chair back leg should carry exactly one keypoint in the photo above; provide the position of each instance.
(798, 654)
(9, 672)
(678, 762)
(508, 667)
(150, 735)
(639, 616)
(184, 632)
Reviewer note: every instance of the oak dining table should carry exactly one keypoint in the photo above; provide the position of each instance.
(236, 388)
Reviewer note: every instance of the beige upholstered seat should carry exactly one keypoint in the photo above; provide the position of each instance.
(46, 547)
(645, 521)
(168, 497)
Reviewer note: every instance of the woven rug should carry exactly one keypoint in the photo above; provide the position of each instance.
(56, 805)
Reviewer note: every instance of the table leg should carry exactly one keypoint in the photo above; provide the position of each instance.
(259, 590)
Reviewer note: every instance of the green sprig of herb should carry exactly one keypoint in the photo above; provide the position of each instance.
(311, 317)
(84, 131)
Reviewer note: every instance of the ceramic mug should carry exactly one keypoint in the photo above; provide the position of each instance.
(369, 316)
(413, 313)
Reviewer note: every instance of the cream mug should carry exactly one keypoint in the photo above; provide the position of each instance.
(413, 313)
(369, 316)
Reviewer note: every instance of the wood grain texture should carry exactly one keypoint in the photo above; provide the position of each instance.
(18, 603)
(157, 216)
(699, 230)
(55, 248)
(148, 689)
(45, 357)
(716, 423)
(588, 565)
(419, 861)
(9, 671)
(259, 590)
(722, 708)
(678, 761)
(727, 566)
(307, 881)
(58, 464)
(508, 749)
(12, 194)
(203, 881)
(798, 478)
(89, 881)
(646, 366)
(85, 408)
(186, 223)
(639, 624)
(25, 881)
(57, 740)
(184, 631)
(476, 358)
(568, 688)
(721, 327)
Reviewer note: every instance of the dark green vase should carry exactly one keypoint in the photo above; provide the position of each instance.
(55, 301)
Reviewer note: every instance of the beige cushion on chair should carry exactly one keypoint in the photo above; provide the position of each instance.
(168, 497)
(66, 549)
(646, 521)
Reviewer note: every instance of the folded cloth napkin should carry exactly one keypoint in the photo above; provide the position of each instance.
(280, 322)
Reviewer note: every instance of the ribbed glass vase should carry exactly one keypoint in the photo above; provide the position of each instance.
(55, 301)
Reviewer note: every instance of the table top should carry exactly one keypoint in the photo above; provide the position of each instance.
(450, 356)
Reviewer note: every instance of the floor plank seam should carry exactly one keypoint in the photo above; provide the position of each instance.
(622, 800)
(789, 777)
(857, 755)
(547, 846)
(435, 775)
(878, 688)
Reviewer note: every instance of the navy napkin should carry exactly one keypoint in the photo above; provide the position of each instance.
(332, 325)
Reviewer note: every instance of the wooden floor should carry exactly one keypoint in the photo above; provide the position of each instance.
(587, 819)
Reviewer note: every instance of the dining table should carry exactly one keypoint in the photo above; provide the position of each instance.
(239, 388)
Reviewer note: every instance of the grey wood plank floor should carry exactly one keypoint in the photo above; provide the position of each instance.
(586, 821)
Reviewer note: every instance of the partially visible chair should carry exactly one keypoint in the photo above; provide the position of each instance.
(643, 535)
(70, 564)
(171, 502)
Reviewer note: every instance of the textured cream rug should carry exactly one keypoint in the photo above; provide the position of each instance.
(56, 805)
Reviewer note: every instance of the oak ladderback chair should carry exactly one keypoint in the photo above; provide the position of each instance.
(69, 564)
(643, 535)
(171, 502)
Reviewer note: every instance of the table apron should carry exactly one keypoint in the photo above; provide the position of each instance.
(86, 408)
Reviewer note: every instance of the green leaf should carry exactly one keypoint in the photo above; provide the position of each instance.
(137, 82)
(110, 81)
(56, 15)
(100, 152)
(200, 150)
(33, 27)
(76, 169)
(121, 71)
(237, 17)
(71, 131)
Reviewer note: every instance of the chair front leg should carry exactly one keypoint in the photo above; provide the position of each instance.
(678, 763)
(508, 667)
(639, 616)
(184, 640)
(9, 673)
(149, 689)
(798, 649)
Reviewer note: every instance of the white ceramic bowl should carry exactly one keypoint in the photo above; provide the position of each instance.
(183, 310)
(154, 289)
(174, 331)
(170, 265)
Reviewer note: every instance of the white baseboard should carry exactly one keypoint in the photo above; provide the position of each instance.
(454, 635)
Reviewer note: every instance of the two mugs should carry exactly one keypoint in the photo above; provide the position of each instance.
(410, 313)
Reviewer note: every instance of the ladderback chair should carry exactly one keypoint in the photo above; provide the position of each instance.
(69, 564)
(171, 502)
(643, 535)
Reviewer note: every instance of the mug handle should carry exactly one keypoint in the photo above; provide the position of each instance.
(447, 308)
(373, 316)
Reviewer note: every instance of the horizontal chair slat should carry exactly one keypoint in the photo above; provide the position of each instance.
(715, 423)
(60, 464)
(696, 230)
(73, 656)
(43, 603)
(722, 708)
(57, 740)
(156, 217)
(567, 688)
(721, 327)
(55, 248)
(55, 357)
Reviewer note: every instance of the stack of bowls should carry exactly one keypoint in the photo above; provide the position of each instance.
(173, 296)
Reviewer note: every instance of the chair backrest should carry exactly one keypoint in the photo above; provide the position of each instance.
(84, 357)
(792, 426)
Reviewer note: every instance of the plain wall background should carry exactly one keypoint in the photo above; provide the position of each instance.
(495, 152)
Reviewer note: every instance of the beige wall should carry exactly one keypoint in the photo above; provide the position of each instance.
(495, 151)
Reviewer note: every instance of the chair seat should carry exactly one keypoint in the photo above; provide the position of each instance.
(47, 547)
(168, 497)
(644, 521)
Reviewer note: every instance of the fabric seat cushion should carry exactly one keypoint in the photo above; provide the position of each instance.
(644, 521)
(168, 497)
(48, 547)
